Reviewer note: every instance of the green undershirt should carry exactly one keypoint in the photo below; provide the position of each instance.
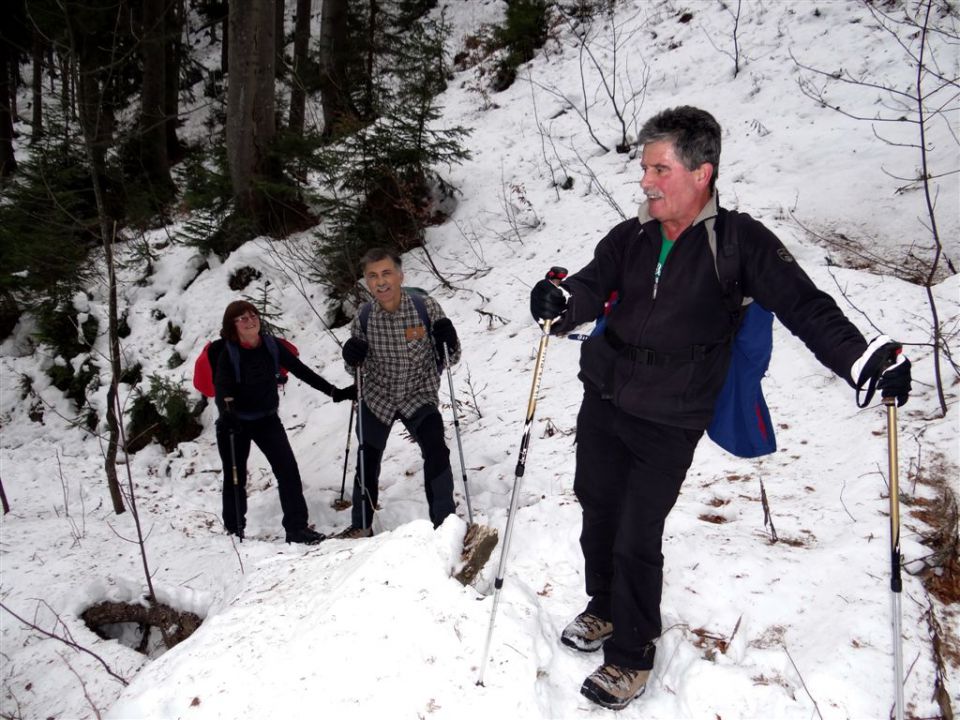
(665, 247)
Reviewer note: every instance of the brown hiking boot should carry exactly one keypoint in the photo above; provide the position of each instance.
(613, 686)
(355, 533)
(586, 632)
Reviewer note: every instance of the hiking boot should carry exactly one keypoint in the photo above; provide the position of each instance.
(613, 686)
(356, 533)
(307, 536)
(586, 632)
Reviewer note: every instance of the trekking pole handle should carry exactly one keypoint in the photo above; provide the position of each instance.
(557, 274)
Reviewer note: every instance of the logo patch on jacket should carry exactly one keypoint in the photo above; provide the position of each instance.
(415, 333)
(784, 255)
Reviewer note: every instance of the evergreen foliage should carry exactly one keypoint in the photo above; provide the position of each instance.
(162, 413)
(48, 223)
(58, 325)
(382, 175)
(270, 311)
(524, 31)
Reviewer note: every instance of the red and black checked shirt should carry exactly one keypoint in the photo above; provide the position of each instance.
(400, 371)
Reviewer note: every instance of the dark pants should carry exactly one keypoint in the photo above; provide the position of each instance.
(426, 427)
(628, 477)
(268, 435)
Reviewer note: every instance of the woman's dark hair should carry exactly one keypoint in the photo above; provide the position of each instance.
(228, 330)
(695, 135)
(376, 255)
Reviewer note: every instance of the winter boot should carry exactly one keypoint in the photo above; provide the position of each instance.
(356, 533)
(586, 632)
(306, 536)
(613, 686)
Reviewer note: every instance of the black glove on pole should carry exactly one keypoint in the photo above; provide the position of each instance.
(882, 366)
(547, 300)
(355, 352)
(445, 336)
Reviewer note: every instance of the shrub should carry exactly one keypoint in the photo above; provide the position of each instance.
(58, 325)
(524, 30)
(162, 413)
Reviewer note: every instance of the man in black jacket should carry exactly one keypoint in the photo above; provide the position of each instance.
(652, 378)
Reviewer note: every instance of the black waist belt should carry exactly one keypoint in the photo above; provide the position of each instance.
(251, 415)
(649, 356)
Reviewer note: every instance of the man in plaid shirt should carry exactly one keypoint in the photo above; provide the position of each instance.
(397, 357)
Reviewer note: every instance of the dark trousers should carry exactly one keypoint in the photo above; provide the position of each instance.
(268, 435)
(426, 427)
(628, 477)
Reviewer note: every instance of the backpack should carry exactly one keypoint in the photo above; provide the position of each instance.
(207, 360)
(741, 422)
(417, 295)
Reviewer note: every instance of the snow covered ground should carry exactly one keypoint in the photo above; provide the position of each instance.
(799, 628)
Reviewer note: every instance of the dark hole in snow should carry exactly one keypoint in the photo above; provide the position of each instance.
(151, 629)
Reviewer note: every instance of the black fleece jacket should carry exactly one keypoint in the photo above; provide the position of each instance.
(256, 394)
(687, 310)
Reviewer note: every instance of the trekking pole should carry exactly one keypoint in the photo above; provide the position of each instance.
(361, 454)
(346, 454)
(556, 274)
(236, 480)
(456, 427)
(895, 580)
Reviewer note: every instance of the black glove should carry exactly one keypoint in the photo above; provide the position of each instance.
(444, 334)
(547, 301)
(341, 394)
(882, 366)
(895, 381)
(355, 351)
(229, 419)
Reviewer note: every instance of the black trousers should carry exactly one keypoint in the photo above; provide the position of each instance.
(426, 427)
(628, 477)
(267, 434)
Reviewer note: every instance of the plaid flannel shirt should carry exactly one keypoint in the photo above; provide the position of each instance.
(400, 370)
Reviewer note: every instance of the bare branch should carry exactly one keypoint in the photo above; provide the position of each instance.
(69, 642)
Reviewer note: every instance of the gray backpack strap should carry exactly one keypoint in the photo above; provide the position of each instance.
(726, 260)
(364, 316)
(420, 304)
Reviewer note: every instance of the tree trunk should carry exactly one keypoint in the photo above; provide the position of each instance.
(279, 10)
(37, 55)
(301, 45)
(369, 108)
(3, 499)
(250, 106)
(8, 163)
(14, 84)
(92, 124)
(153, 120)
(279, 67)
(338, 111)
(113, 422)
(225, 45)
(174, 47)
(89, 104)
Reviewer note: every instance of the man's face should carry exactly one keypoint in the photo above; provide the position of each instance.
(675, 195)
(384, 280)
